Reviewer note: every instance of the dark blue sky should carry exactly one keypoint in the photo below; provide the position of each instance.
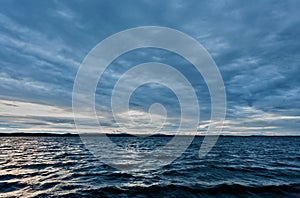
(255, 45)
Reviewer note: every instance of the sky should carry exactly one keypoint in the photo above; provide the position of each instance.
(254, 44)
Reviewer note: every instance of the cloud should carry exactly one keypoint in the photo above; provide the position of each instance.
(29, 41)
(255, 46)
(19, 116)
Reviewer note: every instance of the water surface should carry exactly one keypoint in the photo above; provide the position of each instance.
(236, 167)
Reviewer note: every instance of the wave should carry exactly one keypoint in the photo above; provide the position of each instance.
(223, 190)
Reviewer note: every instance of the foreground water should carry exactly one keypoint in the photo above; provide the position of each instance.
(236, 167)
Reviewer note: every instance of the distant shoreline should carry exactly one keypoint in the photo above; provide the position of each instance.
(122, 135)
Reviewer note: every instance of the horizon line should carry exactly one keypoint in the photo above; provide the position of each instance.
(132, 135)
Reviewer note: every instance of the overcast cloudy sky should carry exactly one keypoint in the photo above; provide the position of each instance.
(254, 43)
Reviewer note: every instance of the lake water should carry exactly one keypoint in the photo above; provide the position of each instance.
(236, 167)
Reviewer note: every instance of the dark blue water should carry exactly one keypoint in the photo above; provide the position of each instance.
(236, 167)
